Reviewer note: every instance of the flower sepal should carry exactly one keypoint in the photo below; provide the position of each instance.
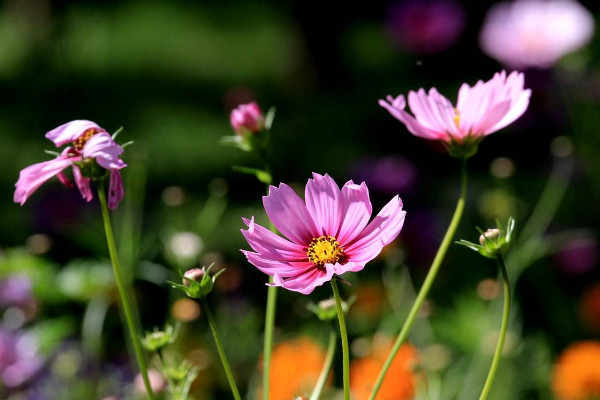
(468, 148)
(157, 340)
(90, 168)
(197, 282)
(493, 242)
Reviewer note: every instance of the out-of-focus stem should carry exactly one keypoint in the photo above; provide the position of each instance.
(127, 309)
(504, 327)
(326, 367)
(422, 295)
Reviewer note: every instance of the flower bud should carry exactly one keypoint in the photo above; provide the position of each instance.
(490, 234)
(326, 310)
(156, 340)
(197, 282)
(247, 118)
(493, 241)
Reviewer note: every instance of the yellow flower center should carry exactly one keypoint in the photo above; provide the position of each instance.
(323, 250)
(457, 118)
(82, 140)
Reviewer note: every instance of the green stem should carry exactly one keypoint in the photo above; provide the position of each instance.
(504, 327)
(127, 310)
(437, 261)
(344, 335)
(269, 328)
(326, 367)
(226, 367)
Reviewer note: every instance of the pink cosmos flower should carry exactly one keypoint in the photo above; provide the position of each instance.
(247, 118)
(535, 33)
(91, 145)
(479, 111)
(327, 234)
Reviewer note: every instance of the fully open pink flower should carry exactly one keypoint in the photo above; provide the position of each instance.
(535, 33)
(479, 111)
(90, 144)
(327, 234)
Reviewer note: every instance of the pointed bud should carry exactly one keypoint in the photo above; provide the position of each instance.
(493, 242)
(197, 282)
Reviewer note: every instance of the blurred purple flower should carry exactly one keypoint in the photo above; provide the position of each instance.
(19, 360)
(578, 256)
(535, 33)
(425, 27)
(387, 175)
(15, 290)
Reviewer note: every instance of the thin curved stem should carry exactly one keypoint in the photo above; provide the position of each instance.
(269, 328)
(422, 295)
(127, 309)
(344, 335)
(326, 367)
(226, 367)
(503, 329)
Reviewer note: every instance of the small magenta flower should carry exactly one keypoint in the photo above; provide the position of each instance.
(535, 33)
(92, 153)
(479, 111)
(327, 234)
(247, 119)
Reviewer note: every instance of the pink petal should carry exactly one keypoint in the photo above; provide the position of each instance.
(83, 184)
(104, 149)
(70, 131)
(35, 175)
(324, 203)
(271, 267)
(396, 108)
(289, 214)
(270, 245)
(384, 228)
(116, 192)
(357, 210)
(306, 281)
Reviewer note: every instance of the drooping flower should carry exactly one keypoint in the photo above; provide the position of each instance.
(247, 118)
(479, 111)
(327, 234)
(92, 153)
(425, 27)
(576, 375)
(535, 33)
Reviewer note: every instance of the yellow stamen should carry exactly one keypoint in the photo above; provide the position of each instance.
(324, 250)
(456, 118)
(82, 140)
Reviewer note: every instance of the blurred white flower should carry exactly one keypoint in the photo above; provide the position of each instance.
(535, 33)
(185, 246)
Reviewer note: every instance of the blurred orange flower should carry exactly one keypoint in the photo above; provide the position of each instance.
(576, 374)
(295, 368)
(399, 383)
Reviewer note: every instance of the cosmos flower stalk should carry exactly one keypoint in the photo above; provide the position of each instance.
(92, 154)
(479, 111)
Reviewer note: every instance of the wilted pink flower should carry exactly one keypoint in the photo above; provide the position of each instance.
(327, 234)
(247, 118)
(425, 27)
(535, 33)
(91, 146)
(480, 110)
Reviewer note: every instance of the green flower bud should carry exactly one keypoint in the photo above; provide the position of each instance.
(197, 282)
(493, 242)
(157, 340)
(326, 310)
